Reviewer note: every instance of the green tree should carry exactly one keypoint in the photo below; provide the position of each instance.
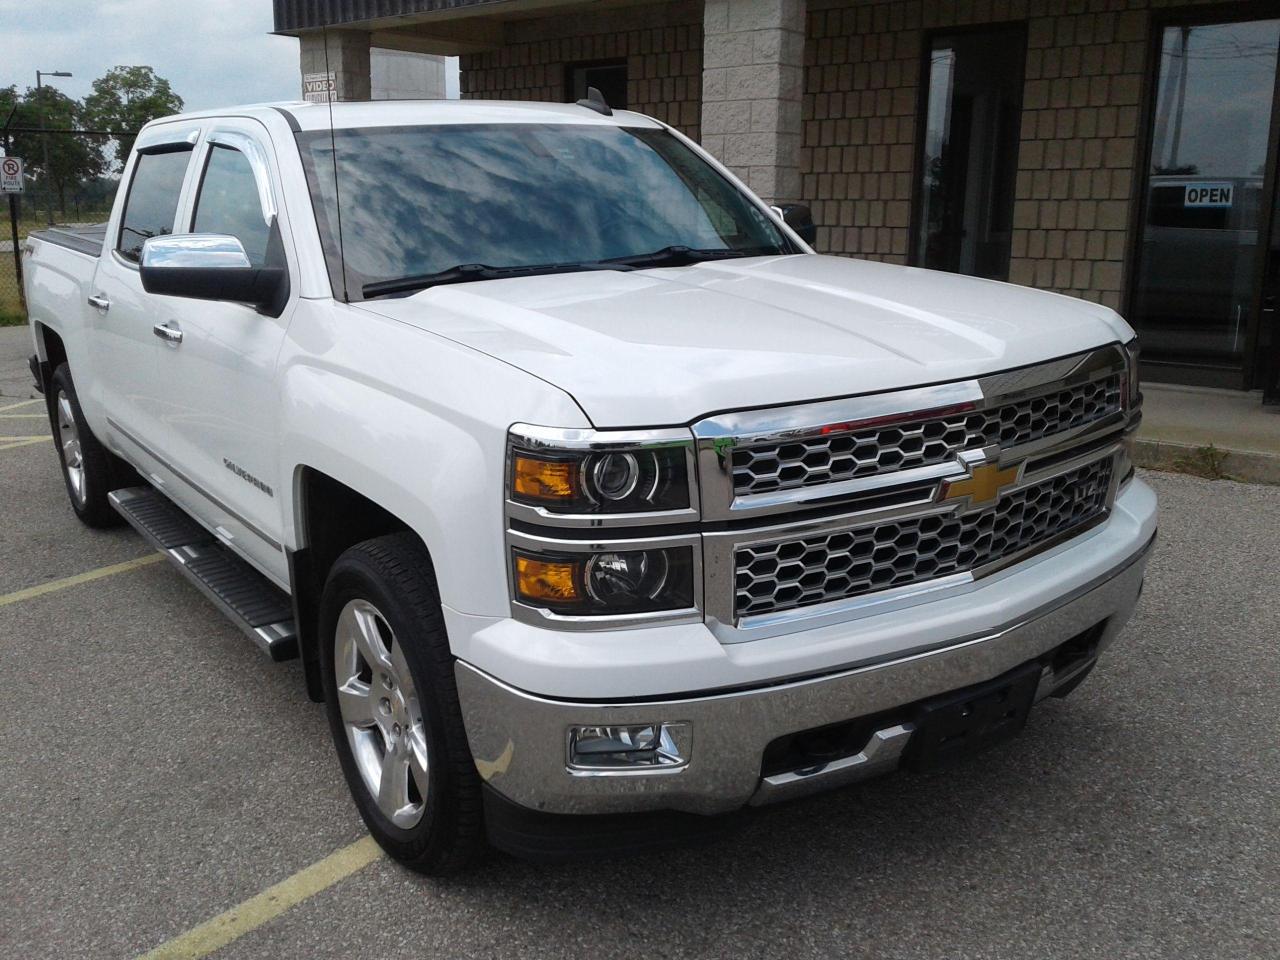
(124, 99)
(73, 159)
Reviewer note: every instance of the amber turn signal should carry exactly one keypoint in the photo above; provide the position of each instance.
(536, 479)
(547, 581)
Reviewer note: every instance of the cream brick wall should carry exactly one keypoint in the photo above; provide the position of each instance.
(1076, 162)
(752, 86)
(661, 42)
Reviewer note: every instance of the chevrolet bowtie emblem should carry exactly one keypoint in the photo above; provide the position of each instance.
(983, 485)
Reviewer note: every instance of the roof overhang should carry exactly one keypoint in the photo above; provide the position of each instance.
(422, 26)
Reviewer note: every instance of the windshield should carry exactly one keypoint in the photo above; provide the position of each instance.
(421, 200)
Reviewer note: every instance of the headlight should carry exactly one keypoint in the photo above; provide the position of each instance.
(586, 473)
(605, 583)
(577, 503)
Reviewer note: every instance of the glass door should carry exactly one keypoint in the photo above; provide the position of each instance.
(969, 152)
(1205, 212)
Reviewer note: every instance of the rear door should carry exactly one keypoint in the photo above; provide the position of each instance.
(220, 403)
(123, 347)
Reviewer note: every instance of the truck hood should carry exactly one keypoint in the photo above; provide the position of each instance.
(668, 346)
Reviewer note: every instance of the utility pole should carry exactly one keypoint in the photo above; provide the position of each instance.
(14, 211)
(44, 136)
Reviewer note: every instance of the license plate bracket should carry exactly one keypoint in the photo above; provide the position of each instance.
(957, 725)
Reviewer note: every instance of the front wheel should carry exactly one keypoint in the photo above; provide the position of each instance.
(393, 705)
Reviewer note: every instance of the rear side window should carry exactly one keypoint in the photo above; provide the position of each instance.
(152, 204)
(228, 203)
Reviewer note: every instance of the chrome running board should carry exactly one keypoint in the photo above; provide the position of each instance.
(244, 596)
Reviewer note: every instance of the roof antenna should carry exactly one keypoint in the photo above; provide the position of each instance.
(595, 101)
(333, 148)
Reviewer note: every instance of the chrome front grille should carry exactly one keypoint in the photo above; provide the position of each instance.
(791, 573)
(931, 439)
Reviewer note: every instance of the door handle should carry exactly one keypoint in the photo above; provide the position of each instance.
(168, 332)
(99, 301)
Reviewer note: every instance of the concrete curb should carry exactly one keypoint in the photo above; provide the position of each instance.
(1243, 465)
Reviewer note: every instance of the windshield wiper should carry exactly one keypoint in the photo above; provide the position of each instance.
(467, 272)
(678, 255)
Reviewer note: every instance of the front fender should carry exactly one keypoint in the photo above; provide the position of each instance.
(418, 425)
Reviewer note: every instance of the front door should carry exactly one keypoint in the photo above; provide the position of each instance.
(1206, 201)
(220, 400)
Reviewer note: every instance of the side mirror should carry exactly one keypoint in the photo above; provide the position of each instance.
(208, 266)
(798, 217)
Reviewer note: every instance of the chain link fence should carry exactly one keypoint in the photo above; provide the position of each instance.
(67, 197)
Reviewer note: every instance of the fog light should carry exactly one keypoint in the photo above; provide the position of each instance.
(635, 747)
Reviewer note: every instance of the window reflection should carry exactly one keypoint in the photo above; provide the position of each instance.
(970, 153)
(417, 200)
(1210, 130)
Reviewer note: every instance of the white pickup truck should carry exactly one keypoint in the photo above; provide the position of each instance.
(592, 499)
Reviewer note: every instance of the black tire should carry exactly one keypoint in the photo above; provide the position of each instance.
(100, 470)
(394, 575)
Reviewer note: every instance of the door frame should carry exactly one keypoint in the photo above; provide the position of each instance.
(915, 222)
(1250, 371)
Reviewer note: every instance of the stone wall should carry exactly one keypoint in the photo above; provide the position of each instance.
(662, 44)
(751, 90)
(1084, 74)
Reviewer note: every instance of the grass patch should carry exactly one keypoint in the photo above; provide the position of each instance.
(12, 313)
(1208, 462)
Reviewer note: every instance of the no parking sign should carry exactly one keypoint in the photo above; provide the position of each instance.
(10, 175)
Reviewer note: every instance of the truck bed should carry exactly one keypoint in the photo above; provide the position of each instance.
(85, 238)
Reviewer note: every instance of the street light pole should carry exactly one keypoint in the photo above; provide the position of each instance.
(44, 136)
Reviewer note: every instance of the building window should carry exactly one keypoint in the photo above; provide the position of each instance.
(609, 77)
(1206, 199)
(969, 152)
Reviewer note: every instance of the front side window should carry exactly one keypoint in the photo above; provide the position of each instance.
(228, 203)
(152, 203)
(420, 200)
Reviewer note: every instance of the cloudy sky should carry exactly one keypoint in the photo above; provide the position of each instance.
(214, 52)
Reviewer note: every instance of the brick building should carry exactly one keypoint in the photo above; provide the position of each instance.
(1123, 151)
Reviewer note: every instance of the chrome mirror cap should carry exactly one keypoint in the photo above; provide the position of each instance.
(195, 250)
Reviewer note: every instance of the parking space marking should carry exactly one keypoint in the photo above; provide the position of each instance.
(24, 403)
(235, 923)
(39, 590)
(8, 443)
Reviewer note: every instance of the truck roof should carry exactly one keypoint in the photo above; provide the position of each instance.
(392, 113)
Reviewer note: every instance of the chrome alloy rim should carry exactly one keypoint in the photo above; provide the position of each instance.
(381, 713)
(69, 440)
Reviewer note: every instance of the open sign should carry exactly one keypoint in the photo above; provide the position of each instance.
(1208, 195)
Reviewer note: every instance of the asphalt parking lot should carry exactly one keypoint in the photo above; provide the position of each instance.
(156, 771)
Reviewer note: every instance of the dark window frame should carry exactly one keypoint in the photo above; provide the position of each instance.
(927, 38)
(569, 68)
(1251, 370)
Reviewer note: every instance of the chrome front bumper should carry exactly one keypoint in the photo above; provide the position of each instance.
(519, 740)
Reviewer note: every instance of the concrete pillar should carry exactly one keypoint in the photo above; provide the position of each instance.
(752, 82)
(348, 60)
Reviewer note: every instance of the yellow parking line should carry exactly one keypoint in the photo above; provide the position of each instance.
(54, 585)
(8, 443)
(23, 416)
(235, 923)
(24, 403)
